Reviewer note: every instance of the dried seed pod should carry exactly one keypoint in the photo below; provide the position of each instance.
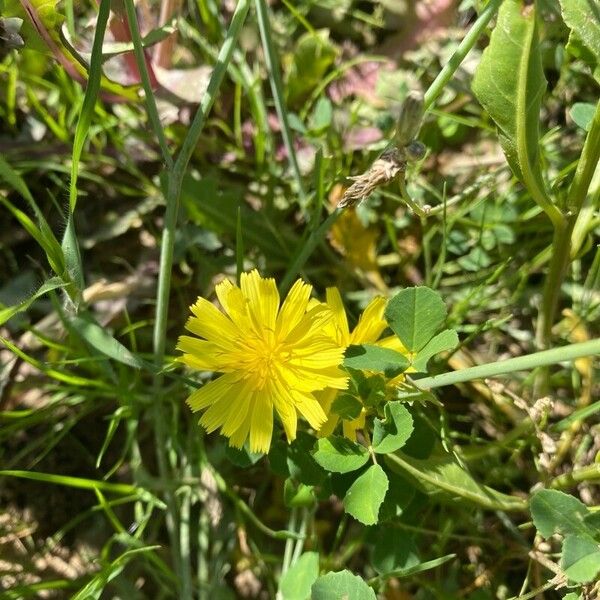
(385, 169)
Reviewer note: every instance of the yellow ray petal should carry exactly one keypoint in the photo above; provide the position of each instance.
(203, 355)
(293, 308)
(371, 323)
(210, 322)
(211, 392)
(263, 298)
(309, 408)
(238, 438)
(286, 410)
(261, 427)
(334, 302)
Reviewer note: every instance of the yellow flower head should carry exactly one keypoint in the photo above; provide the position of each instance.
(270, 356)
(370, 326)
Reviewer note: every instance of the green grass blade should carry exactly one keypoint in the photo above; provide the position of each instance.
(262, 13)
(520, 363)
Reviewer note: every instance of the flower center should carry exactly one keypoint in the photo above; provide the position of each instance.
(261, 356)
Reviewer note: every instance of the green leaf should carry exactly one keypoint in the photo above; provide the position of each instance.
(242, 457)
(342, 585)
(10, 311)
(424, 566)
(298, 494)
(346, 406)
(366, 494)
(582, 114)
(580, 559)
(375, 358)
(415, 315)
(322, 115)
(393, 550)
(399, 496)
(300, 462)
(313, 55)
(296, 583)
(215, 206)
(441, 474)
(583, 18)
(509, 83)
(339, 455)
(445, 340)
(556, 512)
(41, 232)
(99, 338)
(392, 433)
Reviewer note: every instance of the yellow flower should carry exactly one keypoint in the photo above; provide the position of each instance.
(370, 326)
(271, 356)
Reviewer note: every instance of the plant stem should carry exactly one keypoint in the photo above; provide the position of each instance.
(140, 60)
(563, 231)
(566, 480)
(175, 175)
(262, 15)
(520, 363)
(444, 76)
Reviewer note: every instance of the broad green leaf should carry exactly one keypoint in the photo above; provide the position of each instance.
(295, 584)
(442, 474)
(509, 83)
(297, 495)
(10, 311)
(366, 494)
(415, 315)
(242, 457)
(346, 406)
(340, 455)
(392, 433)
(300, 462)
(394, 549)
(322, 115)
(313, 55)
(580, 559)
(583, 18)
(375, 358)
(399, 496)
(556, 512)
(445, 340)
(582, 113)
(341, 586)
(99, 338)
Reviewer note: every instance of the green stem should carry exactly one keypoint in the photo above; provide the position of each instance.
(175, 177)
(289, 543)
(138, 51)
(567, 480)
(444, 76)
(520, 363)
(563, 232)
(588, 162)
(482, 497)
(271, 60)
